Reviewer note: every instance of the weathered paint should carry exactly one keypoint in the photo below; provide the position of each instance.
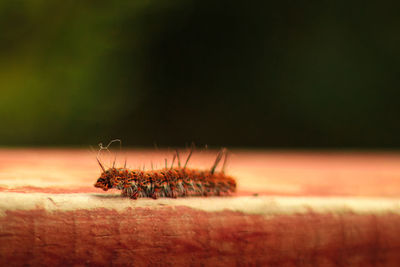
(175, 236)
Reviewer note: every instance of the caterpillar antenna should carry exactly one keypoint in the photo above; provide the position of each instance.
(101, 165)
(101, 147)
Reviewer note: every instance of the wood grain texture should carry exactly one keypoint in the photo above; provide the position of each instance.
(291, 209)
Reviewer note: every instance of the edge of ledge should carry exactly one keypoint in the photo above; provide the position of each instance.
(261, 205)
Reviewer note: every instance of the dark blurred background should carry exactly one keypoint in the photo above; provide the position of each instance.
(309, 74)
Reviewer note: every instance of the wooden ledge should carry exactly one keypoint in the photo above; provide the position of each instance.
(292, 209)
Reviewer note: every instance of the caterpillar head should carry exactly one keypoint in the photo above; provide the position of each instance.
(105, 180)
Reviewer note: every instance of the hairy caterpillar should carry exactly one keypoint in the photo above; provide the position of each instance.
(167, 182)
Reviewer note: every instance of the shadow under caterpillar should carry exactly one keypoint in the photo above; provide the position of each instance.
(169, 182)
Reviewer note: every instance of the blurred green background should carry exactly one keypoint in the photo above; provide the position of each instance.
(312, 74)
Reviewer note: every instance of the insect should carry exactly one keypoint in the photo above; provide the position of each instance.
(170, 181)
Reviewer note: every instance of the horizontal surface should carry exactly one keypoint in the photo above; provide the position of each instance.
(264, 173)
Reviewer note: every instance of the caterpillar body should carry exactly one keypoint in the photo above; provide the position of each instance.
(168, 182)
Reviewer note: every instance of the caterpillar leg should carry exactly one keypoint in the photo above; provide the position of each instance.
(173, 193)
(153, 195)
(129, 192)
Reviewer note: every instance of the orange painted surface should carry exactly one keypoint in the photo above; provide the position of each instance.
(183, 236)
(52, 231)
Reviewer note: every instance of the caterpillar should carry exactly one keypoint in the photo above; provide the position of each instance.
(169, 182)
